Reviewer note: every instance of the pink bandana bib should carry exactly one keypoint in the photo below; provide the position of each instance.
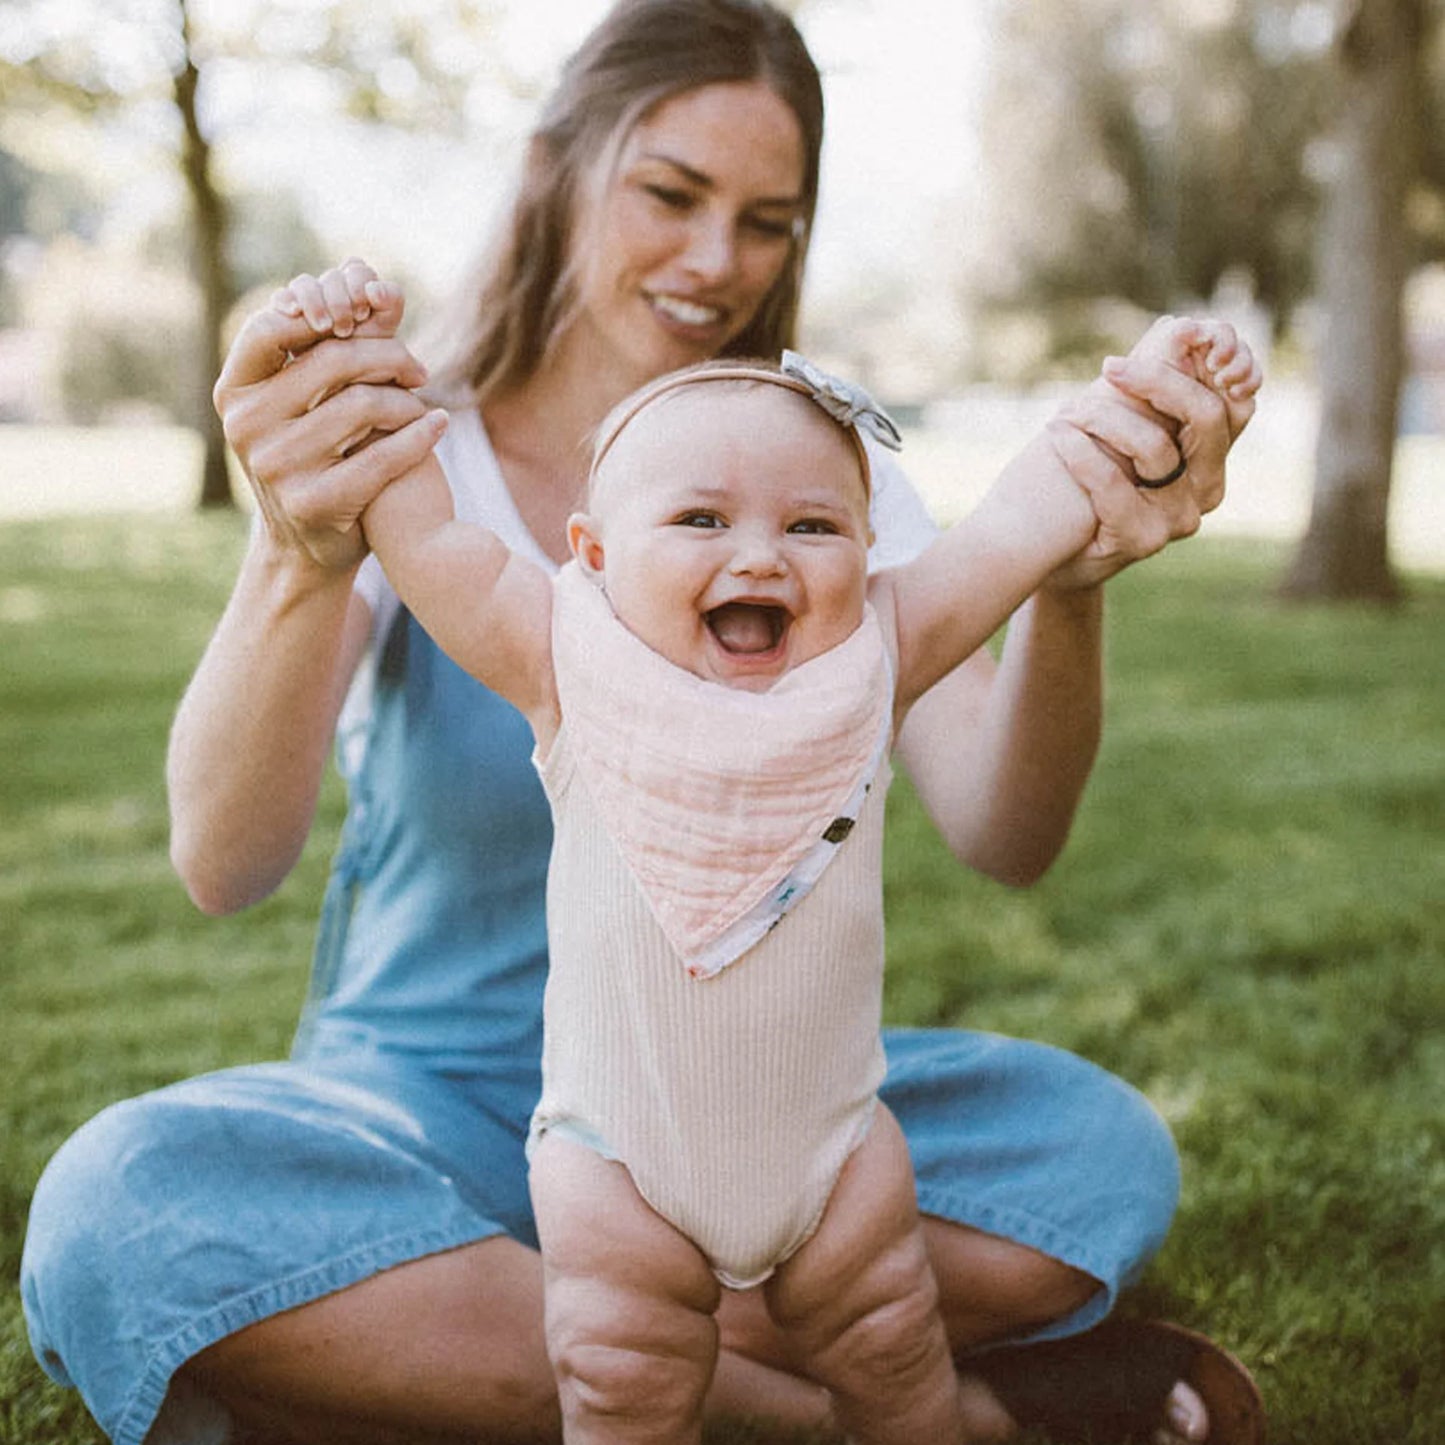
(726, 804)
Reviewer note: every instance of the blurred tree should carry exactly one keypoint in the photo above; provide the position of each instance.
(210, 218)
(1146, 151)
(96, 61)
(269, 236)
(100, 57)
(1365, 254)
(16, 182)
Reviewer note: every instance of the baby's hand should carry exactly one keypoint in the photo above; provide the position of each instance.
(350, 299)
(1211, 352)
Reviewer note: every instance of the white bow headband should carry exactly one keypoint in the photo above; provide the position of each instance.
(847, 403)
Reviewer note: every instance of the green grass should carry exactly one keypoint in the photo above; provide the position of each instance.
(1247, 924)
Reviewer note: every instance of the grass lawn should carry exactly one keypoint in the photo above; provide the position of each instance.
(1247, 924)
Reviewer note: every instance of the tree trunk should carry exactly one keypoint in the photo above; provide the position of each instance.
(1363, 264)
(210, 220)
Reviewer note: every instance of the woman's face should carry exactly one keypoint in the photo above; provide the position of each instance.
(677, 253)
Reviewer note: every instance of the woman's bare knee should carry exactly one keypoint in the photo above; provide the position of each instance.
(990, 1287)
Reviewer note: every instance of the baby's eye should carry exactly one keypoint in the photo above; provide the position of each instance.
(815, 527)
(699, 519)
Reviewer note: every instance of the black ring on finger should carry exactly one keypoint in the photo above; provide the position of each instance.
(1157, 483)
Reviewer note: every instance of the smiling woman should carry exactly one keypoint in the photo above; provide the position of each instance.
(697, 226)
(683, 171)
(382, 1276)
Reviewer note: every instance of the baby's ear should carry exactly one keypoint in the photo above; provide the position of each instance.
(585, 542)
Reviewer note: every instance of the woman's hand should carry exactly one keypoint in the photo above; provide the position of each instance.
(1000, 752)
(316, 399)
(1183, 395)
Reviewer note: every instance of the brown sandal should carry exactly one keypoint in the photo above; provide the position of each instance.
(1109, 1385)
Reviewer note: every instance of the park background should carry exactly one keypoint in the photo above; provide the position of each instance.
(1248, 921)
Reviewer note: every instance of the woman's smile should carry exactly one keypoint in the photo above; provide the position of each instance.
(682, 312)
(698, 224)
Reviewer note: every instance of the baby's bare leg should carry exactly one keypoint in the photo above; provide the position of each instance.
(859, 1304)
(629, 1304)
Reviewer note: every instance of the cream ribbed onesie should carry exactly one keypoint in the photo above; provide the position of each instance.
(734, 1092)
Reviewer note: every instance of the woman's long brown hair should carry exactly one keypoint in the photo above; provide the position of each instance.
(642, 53)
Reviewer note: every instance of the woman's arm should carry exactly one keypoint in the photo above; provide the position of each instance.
(251, 739)
(1000, 752)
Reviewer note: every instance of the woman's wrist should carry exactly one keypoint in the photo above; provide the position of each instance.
(1074, 590)
(292, 574)
(1070, 617)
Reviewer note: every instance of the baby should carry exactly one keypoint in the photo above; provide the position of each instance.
(714, 682)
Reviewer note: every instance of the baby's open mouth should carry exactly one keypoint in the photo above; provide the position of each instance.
(748, 627)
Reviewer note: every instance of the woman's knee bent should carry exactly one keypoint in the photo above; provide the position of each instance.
(79, 1208)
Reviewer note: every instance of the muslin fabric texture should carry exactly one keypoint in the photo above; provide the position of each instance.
(714, 795)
